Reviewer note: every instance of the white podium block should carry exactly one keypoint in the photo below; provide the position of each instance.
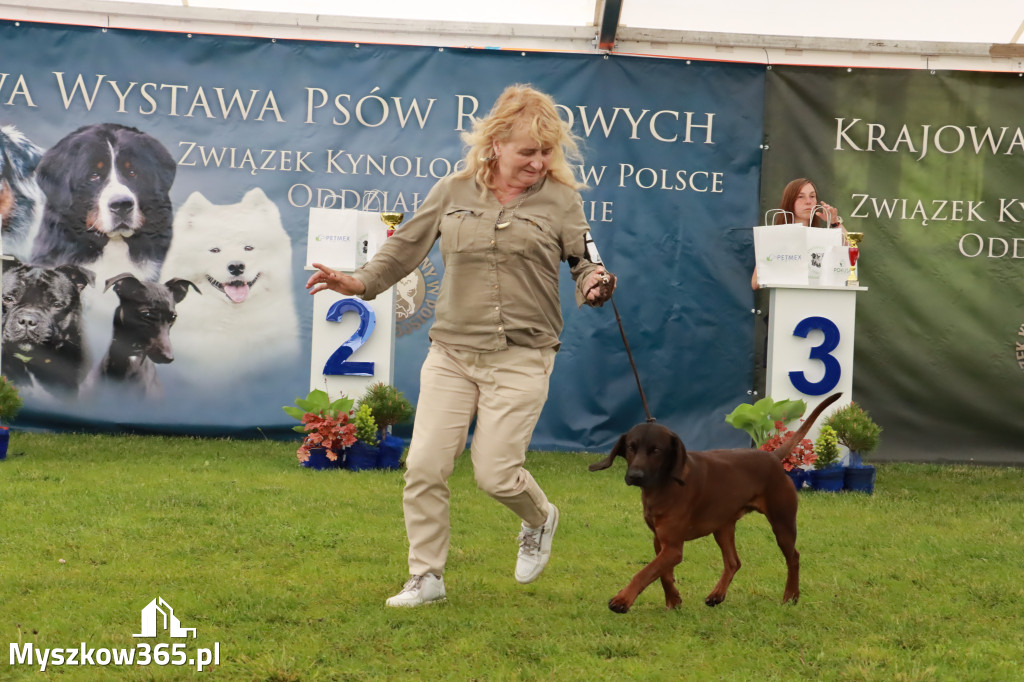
(353, 340)
(810, 344)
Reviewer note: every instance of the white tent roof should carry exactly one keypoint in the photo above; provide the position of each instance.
(980, 21)
(983, 35)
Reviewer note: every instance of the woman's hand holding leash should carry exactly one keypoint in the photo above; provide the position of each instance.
(326, 278)
(599, 287)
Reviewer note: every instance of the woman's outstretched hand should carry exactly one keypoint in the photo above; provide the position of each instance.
(326, 278)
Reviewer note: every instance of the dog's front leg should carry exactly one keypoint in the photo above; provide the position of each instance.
(668, 579)
(669, 556)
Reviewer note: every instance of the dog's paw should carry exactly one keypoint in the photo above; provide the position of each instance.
(673, 602)
(618, 605)
(713, 600)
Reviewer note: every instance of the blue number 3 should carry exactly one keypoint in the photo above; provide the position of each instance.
(822, 352)
(339, 362)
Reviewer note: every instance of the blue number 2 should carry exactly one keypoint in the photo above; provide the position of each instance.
(822, 352)
(338, 362)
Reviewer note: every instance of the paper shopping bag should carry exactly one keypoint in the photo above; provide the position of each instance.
(333, 238)
(780, 253)
(370, 235)
(819, 240)
(835, 266)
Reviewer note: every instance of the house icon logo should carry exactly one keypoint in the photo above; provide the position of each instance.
(158, 611)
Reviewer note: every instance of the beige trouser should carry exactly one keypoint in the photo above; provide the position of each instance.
(506, 391)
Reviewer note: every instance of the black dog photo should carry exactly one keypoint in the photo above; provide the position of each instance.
(43, 343)
(142, 335)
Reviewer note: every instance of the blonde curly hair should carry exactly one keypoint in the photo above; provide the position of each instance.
(521, 105)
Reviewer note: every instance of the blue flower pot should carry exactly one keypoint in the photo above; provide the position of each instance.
(829, 480)
(360, 457)
(859, 479)
(798, 476)
(318, 460)
(390, 452)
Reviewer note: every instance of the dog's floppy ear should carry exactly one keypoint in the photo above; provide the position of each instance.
(179, 287)
(162, 165)
(679, 450)
(118, 282)
(60, 167)
(82, 277)
(619, 449)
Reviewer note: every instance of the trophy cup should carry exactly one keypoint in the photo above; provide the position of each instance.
(854, 239)
(392, 219)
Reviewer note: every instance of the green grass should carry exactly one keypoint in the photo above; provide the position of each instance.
(287, 569)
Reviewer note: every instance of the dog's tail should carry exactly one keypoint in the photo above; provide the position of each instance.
(784, 450)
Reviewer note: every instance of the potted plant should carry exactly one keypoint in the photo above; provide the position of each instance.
(327, 427)
(827, 474)
(797, 461)
(856, 430)
(765, 421)
(10, 405)
(388, 407)
(760, 419)
(365, 452)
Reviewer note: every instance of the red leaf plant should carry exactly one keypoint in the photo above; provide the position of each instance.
(335, 434)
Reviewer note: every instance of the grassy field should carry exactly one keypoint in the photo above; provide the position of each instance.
(286, 570)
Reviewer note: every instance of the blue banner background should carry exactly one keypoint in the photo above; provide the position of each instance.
(683, 256)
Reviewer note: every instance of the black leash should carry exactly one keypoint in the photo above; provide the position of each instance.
(629, 354)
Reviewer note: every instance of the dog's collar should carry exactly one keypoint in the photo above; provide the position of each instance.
(24, 358)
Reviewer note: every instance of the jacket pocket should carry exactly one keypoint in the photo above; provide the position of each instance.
(459, 226)
(532, 239)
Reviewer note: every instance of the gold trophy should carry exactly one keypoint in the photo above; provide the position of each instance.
(392, 219)
(854, 239)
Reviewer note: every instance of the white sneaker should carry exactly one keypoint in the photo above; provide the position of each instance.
(419, 590)
(535, 548)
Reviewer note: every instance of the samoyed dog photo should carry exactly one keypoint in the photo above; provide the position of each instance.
(244, 323)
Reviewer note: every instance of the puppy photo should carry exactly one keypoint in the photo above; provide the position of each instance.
(43, 343)
(688, 495)
(107, 202)
(240, 258)
(21, 199)
(142, 326)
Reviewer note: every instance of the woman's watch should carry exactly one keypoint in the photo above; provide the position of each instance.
(837, 223)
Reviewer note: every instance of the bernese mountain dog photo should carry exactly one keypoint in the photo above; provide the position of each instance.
(107, 202)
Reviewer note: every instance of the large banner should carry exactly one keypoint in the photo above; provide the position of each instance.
(928, 165)
(153, 177)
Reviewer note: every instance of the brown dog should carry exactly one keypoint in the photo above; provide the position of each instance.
(689, 495)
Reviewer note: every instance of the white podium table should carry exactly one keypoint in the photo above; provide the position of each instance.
(810, 343)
